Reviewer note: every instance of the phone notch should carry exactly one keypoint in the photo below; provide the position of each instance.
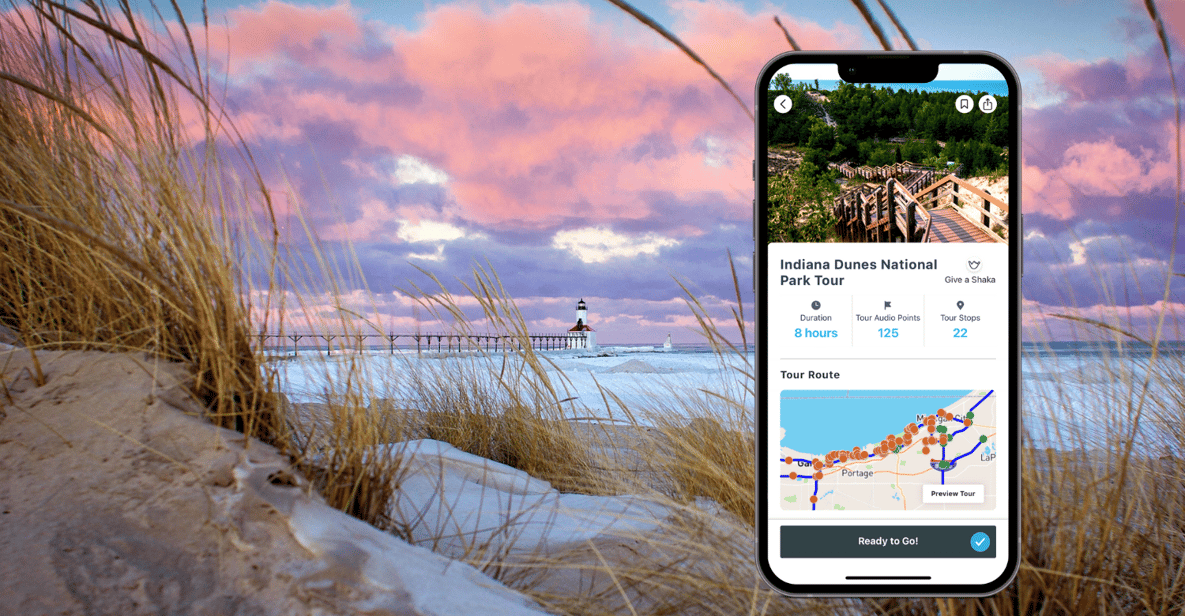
(887, 69)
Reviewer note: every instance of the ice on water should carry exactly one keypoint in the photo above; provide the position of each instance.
(644, 378)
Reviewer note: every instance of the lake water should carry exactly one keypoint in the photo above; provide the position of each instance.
(818, 421)
(1072, 396)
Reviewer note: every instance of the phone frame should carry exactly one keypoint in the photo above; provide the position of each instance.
(896, 64)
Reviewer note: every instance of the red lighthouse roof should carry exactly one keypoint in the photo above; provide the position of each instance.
(581, 327)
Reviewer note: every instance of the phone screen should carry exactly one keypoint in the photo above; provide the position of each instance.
(887, 281)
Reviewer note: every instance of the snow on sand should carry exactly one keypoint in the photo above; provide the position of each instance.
(119, 503)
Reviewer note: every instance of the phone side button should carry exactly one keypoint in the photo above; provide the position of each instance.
(753, 266)
(754, 218)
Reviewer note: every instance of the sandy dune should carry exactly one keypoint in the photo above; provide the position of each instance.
(119, 500)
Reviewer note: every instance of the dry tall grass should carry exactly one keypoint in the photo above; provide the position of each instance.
(107, 239)
(130, 212)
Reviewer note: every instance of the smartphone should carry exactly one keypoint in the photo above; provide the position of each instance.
(887, 278)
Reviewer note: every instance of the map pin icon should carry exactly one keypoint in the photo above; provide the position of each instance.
(959, 304)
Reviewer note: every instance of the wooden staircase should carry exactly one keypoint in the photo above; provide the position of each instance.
(903, 207)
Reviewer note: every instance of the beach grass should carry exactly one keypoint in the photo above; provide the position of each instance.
(119, 233)
(109, 230)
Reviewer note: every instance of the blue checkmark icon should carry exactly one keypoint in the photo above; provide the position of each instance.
(980, 542)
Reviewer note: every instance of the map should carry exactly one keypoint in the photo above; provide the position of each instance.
(914, 450)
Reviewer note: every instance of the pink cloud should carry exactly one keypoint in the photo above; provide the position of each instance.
(535, 111)
(275, 28)
(1104, 168)
(1096, 168)
(725, 35)
(1082, 80)
(1110, 135)
(1045, 192)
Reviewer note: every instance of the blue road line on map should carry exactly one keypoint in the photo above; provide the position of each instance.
(784, 476)
(943, 477)
(990, 391)
(815, 494)
(977, 444)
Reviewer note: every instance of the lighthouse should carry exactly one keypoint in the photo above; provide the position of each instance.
(581, 336)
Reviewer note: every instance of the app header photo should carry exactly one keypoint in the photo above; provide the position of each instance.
(897, 163)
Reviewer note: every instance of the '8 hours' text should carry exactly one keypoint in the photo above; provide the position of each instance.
(806, 332)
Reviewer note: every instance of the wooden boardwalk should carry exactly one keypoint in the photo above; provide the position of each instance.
(947, 225)
(904, 209)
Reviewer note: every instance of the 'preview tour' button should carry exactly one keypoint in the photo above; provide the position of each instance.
(952, 494)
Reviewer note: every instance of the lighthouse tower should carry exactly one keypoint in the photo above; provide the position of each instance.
(581, 336)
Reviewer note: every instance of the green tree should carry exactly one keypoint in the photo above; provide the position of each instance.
(800, 205)
(846, 147)
(995, 132)
(782, 83)
(822, 137)
(881, 156)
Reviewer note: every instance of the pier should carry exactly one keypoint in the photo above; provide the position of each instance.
(294, 343)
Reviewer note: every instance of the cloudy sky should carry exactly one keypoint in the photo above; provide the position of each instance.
(578, 154)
